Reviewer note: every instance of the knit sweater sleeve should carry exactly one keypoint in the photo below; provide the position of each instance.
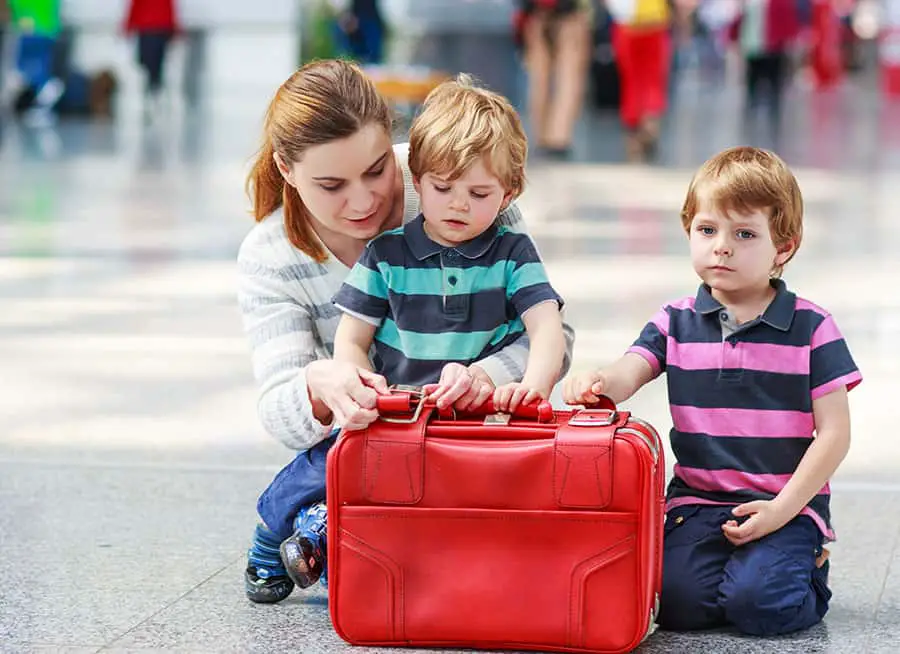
(283, 338)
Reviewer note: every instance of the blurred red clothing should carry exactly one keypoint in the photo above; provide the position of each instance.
(781, 25)
(151, 16)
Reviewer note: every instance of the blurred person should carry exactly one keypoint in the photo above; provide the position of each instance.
(155, 24)
(766, 32)
(325, 182)
(643, 47)
(757, 381)
(361, 30)
(84, 95)
(38, 25)
(556, 35)
(5, 18)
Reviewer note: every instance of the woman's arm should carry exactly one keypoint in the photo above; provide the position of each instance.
(283, 345)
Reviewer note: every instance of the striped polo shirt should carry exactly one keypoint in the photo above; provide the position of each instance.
(741, 396)
(435, 304)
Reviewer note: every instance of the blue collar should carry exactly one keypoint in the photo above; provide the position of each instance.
(423, 247)
(779, 314)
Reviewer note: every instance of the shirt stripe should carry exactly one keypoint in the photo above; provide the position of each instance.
(765, 357)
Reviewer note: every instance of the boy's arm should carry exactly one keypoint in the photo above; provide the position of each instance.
(832, 374)
(642, 363)
(548, 346)
(625, 377)
(352, 341)
(509, 364)
(828, 449)
(618, 381)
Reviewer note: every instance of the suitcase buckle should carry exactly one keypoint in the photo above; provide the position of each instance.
(594, 418)
(414, 392)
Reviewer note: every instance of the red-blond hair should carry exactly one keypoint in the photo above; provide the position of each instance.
(746, 179)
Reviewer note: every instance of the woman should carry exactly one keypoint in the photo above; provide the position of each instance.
(557, 40)
(326, 181)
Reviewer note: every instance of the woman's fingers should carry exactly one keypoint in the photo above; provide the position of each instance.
(374, 381)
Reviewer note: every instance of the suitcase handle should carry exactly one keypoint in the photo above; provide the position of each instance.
(411, 400)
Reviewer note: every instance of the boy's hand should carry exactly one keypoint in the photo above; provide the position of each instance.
(585, 387)
(766, 516)
(461, 387)
(508, 397)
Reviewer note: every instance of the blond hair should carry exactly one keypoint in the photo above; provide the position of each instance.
(461, 123)
(321, 102)
(746, 179)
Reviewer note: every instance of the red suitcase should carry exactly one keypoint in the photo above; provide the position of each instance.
(539, 532)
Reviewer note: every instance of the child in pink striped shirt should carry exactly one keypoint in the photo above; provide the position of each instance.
(757, 382)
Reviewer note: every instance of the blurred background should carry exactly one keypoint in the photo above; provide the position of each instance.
(130, 452)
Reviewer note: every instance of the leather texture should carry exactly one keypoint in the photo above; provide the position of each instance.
(469, 531)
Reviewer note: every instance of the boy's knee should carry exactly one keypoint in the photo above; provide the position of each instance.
(769, 597)
(685, 604)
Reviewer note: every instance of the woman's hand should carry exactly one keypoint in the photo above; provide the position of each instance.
(462, 387)
(344, 392)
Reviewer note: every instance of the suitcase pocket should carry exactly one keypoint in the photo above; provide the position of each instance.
(570, 578)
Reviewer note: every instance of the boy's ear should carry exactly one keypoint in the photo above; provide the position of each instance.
(784, 252)
(417, 183)
(507, 199)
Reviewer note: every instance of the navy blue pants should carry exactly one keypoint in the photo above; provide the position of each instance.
(764, 588)
(299, 483)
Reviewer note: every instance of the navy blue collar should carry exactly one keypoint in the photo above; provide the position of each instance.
(779, 314)
(423, 247)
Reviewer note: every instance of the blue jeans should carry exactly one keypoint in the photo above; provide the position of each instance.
(34, 59)
(299, 483)
(764, 588)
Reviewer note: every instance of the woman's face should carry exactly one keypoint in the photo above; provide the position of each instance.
(347, 186)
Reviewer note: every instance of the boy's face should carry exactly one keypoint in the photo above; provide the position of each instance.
(734, 252)
(457, 211)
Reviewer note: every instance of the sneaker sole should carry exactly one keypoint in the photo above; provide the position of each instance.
(298, 570)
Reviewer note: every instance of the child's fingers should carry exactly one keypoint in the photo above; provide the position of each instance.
(519, 396)
(437, 393)
(501, 398)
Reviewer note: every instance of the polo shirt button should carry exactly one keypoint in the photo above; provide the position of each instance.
(452, 280)
(723, 316)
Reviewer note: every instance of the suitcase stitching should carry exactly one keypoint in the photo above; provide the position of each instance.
(600, 560)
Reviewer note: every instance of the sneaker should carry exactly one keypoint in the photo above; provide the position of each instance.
(303, 554)
(266, 590)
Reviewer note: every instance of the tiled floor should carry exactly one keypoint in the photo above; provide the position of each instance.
(130, 454)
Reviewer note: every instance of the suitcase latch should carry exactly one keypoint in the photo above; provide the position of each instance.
(594, 418)
(415, 393)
